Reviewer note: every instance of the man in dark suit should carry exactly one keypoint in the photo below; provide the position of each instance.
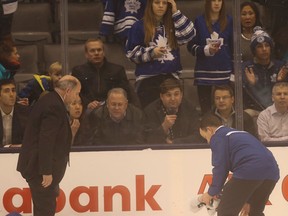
(46, 145)
(13, 116)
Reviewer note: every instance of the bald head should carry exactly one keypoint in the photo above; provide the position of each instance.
(69, 88)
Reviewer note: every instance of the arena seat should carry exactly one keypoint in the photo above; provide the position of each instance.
(28, 59)
(52, 53)
(32, 23)
(84, 20)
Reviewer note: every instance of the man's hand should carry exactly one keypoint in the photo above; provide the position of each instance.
(168, 122)
(47, 180)
(206, 198)
(23, 101)
(94, 104)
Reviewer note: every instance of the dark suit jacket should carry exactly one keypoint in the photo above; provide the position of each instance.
(47, 140)
(19, 121)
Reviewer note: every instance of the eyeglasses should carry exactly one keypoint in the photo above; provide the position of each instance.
(222, 98)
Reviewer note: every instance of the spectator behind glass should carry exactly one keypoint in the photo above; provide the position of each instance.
(9, 60)
(13, 116)
(116, 123)
(98, 76)
(273, 121)
(260, 74)
(75, 110)
(224, 108)
(153, 45)
(250, 18)
(119, 16)
(171, 117)
(40, 85)
(212, 47)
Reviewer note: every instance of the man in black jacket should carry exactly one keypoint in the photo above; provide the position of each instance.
(46, 145)
(116, 123)
(171, 119)
(98, 76)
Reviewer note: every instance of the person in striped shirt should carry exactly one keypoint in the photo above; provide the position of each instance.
(153, 45)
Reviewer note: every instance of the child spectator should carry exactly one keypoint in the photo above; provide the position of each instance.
(41, 84)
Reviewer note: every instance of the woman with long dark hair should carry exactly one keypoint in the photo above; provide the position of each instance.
(212, 47)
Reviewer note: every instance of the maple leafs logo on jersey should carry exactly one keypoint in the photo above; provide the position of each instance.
(132, 6)
(163, 42)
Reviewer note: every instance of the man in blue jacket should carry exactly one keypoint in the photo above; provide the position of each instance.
(255, 170)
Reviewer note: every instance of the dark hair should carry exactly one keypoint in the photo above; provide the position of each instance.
(169, 84)
(222, 88)
(256, 11)
(6, 82)
(6, 48)
(222, 16)
(210, 120)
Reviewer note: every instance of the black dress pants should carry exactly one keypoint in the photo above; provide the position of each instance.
(237, 192)
(44, 199)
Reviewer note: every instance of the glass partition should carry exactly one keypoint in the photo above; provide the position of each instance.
(52, 31)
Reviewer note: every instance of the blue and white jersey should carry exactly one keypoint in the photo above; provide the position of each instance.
(139, 53)
(212, 69)
(120, 15)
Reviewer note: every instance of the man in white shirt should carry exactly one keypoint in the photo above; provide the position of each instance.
(273, 121)
(13, 116)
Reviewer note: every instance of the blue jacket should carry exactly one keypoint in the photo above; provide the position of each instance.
(242, 154)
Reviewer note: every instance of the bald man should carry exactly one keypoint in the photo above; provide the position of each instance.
(46, 145)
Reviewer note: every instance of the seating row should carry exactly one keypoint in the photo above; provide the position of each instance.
(30, 61)
(40, 22)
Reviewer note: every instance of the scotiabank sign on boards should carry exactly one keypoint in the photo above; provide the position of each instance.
(147, 182)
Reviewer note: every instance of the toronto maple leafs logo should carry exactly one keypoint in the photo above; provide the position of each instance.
(163, 42)
(132, 6)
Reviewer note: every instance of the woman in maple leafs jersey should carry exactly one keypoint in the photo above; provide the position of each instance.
(153, 45)
(212, 47)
